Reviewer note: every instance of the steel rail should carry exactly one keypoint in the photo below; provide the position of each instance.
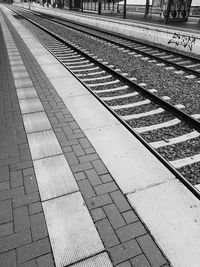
(141, 89)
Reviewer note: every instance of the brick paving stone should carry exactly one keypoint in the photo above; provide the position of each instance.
(124, 252)
(151, 251)
(89, 150)
(98, 201)
(16, 179)
(81, 167)
(114, 216)
(8, 259)
(38, 226)
(30, 184)
(93, 177)
(106, 233)
(125, 264)
(21, 219)
(140, 261)
(98, 214)
(130, 216)
(80, 176)
(33, 250)
(120, 201)
(4, 186)
(86, 189)
(15, 240)
(106, 178)
(6, 229)
(78, 150)
(5, 211)
(28, 171)
(31, 263)
(105, 188)
(89, 157)
(25, 199)
(34, 208)
(71, 158)
(4, 171)
(99, 167)
(130, 231)
(84, 142)
(45, 261)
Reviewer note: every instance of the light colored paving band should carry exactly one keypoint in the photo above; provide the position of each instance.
(142, 177)
(72, 232)
(175, 140)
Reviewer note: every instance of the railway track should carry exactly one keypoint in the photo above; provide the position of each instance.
(171, 134)
(179, 61)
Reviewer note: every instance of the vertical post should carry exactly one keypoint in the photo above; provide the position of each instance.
(99, 7)
(147, 8)
(168, 11)
(124, 11)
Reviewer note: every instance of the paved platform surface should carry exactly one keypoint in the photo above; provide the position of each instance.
(73, 191)
(25, 186)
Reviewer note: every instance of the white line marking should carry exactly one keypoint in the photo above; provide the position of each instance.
(175, 140)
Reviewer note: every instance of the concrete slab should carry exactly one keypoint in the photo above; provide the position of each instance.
(54, 70)
(54, 177)
(130, 163)
(35, 122)
(88, 112)
(69, 86)
(101, 260)
(43, 144)
(30, 105)
(72, 233)
(44, 59)
(172, 214)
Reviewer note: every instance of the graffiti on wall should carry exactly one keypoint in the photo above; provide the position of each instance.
(182, 40)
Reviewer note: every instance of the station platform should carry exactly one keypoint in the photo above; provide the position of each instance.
(76, 188)
(181, 36)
